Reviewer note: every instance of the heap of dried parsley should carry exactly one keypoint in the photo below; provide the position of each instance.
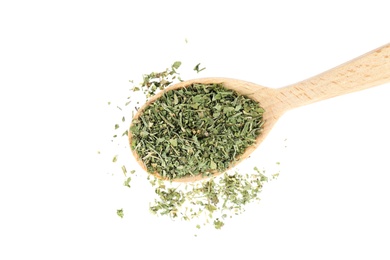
(195, 130)
(225, 123)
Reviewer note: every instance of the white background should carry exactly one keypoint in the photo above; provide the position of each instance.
(61, 61)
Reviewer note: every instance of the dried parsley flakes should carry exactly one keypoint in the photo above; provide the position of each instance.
(200, 116)
(213, 200)
(195, 130)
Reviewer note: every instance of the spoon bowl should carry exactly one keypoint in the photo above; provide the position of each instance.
(369, 70)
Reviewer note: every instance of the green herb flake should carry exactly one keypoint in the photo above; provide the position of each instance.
(176, 64)
(218, 224)
(120, 213)
(213, 165)
(124, 170)
(127, 182)
(198, 69)
(173, 142)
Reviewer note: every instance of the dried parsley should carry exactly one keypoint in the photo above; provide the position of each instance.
(195, 130)
(127, 182)
(155, 81)
(215, 110)
(120, 213)
(215, 199)
(198, 69)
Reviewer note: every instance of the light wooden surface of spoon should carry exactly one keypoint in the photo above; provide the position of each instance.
(369, 70)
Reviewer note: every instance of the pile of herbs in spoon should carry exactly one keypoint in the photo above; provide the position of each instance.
(195, 130)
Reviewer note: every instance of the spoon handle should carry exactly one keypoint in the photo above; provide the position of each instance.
(369, 70)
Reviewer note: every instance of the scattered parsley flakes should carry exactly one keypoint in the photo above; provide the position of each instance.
(213, 200)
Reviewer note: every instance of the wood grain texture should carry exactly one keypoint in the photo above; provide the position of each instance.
(369, 70)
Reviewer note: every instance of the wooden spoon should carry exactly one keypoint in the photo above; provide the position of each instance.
(369, 70)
